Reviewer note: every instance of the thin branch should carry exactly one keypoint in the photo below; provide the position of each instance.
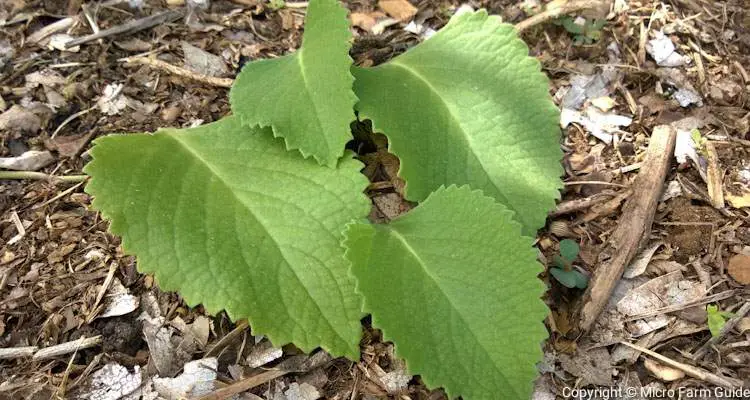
(695, 372)
(570, 206)
(554, 10)
(52, 351)
(683, 306)
(575, 183)
(130, 27)
(70, 118)
(10, 353)
(635, 228)
(40, 176)
(67, 348)
(244, 385)
(182, 72)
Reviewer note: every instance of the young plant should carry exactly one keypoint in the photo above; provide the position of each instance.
(564, 271)
(716, 319)
(276, 4)
(699, 141)
(584, 30)
(237, 216)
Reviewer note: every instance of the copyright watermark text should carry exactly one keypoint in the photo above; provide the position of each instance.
(607, 393)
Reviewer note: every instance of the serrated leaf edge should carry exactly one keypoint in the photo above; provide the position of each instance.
(414, 370)
(208, 303)
(515, 42)
(266, 122)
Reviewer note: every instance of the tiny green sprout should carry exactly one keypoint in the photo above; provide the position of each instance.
(569, 250)
(531, 7)
(445, 11)
(716, 319)
(584, 30)
(700, 141)
(276, 4)
(564, 271)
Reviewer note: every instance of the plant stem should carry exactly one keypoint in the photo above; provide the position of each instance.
(554, 10)
(41, 176)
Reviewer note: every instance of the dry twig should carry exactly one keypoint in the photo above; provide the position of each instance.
(713, 175)
(10, 353)
(67, 347)
(556, 9)
(48, 352)
(570, 206)
(182, 72)
(130, 27)
(228, 339)
(33, 175)
(690, 370)
(244, 385)
(684, 306)
(634, 228)
(61, 25)
(290, 365)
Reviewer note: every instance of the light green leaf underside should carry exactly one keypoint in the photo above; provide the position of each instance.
(454, 285)
(469, 106)
(306, 97)
(228, 217)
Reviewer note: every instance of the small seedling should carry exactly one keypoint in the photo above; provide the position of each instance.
(564, 270)
(584, 30)
(700, 141)
(531, 7)
(716, 319)
(276, 4)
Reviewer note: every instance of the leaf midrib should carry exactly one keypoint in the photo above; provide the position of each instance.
(464, 136)
(226, 185)
(393, 232)
(300, 63)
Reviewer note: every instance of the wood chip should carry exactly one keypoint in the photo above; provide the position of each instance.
(664, 373)
(713, 173)
(364, 21)
(739, 268)
(402, 10)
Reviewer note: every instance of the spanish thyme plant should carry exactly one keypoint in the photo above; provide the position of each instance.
(262, 213)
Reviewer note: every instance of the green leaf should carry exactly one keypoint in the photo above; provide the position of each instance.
(306, 97)
(232, 220)
(570, 279)
(468, 106)
(582, 281)
(716, 319)
(569, 250)
(570, 25)
(454, 285)
(566, 278)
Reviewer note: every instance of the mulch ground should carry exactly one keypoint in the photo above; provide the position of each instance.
(60, 269)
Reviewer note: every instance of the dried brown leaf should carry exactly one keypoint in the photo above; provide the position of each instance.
(402, 10)
(739, 268)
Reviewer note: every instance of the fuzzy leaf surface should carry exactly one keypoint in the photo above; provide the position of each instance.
(232, 220)
(306, 97)
(469, 106)
(569, 250)
(454, 285)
